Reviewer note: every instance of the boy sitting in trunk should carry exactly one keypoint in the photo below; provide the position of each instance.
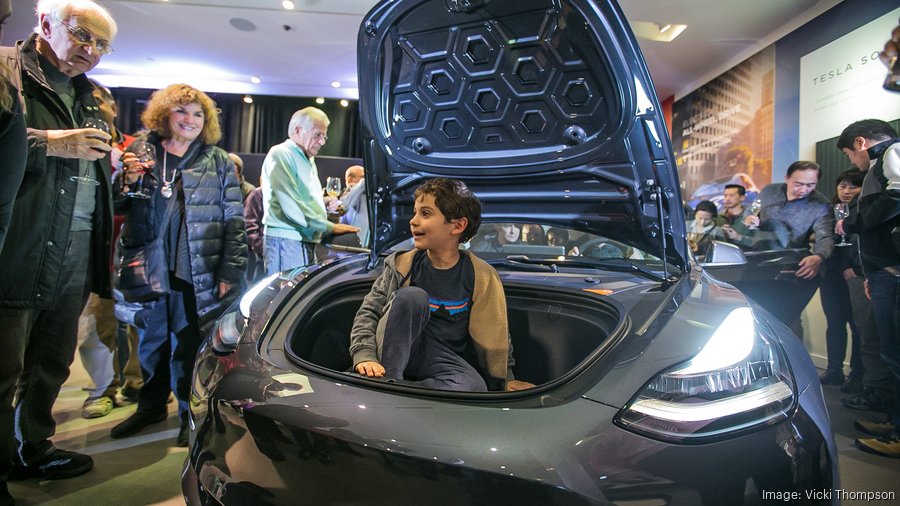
(436, 316)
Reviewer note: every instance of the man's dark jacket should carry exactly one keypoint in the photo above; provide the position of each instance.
(876, 218)
(32, 263)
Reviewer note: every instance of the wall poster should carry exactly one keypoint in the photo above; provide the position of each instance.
(722, 132)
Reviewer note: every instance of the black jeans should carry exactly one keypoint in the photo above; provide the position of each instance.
(38, 346)
(409, 351)
(885, 289)
(835, 295)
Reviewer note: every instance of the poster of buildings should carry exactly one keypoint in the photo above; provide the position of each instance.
(722, 132)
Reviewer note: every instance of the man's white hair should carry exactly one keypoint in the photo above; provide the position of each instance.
(63, 9)
(304, 118)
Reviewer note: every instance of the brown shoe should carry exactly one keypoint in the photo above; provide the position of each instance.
(885, 446)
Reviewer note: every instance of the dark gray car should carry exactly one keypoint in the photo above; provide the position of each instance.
(655, 382)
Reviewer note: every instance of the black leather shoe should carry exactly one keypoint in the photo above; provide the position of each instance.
(854, 383)
(136, 423)
(56, 465)
(832, 378)
(870, 399)
(184, 434)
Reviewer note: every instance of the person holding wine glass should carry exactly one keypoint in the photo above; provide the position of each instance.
(194, 214)
(57, 248)
(843, 299)
(792, 214)
(295, 216)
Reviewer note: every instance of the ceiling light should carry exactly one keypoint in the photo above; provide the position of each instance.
(248, 99)
(255, 79)
(287, 4)
(320, 100)
(335, 84)
(652, 31)
(344, 103)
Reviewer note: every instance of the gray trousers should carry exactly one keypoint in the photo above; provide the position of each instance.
(408, 350)
(876, 374)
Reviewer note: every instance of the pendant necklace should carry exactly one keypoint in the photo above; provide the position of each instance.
(166, 190)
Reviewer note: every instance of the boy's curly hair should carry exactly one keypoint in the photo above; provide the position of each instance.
(455, 201)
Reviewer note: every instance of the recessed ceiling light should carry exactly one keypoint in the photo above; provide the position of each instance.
(248, 99)
(335, 84)
(255, 79)
(344, 103)
(652, 31)
(287, 4)
(320, 100)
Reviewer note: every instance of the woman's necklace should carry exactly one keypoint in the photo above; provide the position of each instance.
(166, 190)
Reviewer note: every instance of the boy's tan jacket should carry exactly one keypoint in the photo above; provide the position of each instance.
(488, 326)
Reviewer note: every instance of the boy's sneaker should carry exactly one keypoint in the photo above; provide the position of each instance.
(870, 399)
(877, 429)
(888, 446)
(97, 407)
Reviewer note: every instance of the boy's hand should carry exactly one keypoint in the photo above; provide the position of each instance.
(516, 385)
(370, 369)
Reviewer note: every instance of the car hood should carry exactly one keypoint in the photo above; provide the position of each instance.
(544, 108)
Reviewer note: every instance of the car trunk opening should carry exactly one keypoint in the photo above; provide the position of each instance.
(551, 334)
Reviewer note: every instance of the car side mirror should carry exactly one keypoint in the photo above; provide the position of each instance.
(723, 254)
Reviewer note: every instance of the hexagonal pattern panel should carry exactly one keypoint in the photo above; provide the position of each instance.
(503, 85)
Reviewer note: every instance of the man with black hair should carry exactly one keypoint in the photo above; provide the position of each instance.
(731, 219)
(792, 214)
(873, 146)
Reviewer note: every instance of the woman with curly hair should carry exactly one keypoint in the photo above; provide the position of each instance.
(194, 211)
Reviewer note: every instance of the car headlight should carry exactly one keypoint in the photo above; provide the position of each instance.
(227, 331)
(739, 381)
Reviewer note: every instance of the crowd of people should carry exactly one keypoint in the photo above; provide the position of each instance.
(193, 232)
(847, 247)
(159, 216)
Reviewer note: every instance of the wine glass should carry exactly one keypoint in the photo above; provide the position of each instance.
(333, 187)
(98, 124)
(841, 211)
(755, 209)
(145, 153)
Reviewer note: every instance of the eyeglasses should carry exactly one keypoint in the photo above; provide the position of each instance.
(319, 136)
(84, 37)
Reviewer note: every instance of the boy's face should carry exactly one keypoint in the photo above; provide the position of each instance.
(431, 230)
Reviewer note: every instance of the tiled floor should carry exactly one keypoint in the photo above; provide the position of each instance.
(145, 469)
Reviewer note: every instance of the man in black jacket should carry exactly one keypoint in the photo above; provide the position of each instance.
(58, 245)
(873, 146)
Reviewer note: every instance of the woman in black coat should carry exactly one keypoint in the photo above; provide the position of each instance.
(195, 218)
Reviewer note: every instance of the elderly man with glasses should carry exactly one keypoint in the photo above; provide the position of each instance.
(58, 246)
(293, 203)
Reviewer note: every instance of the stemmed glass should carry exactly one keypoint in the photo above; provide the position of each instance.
(333, 187)
(841, 211)
(98, 124)
(755, 208)
(145, 153)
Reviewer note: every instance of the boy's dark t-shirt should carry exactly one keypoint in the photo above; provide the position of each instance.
(449, 300)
